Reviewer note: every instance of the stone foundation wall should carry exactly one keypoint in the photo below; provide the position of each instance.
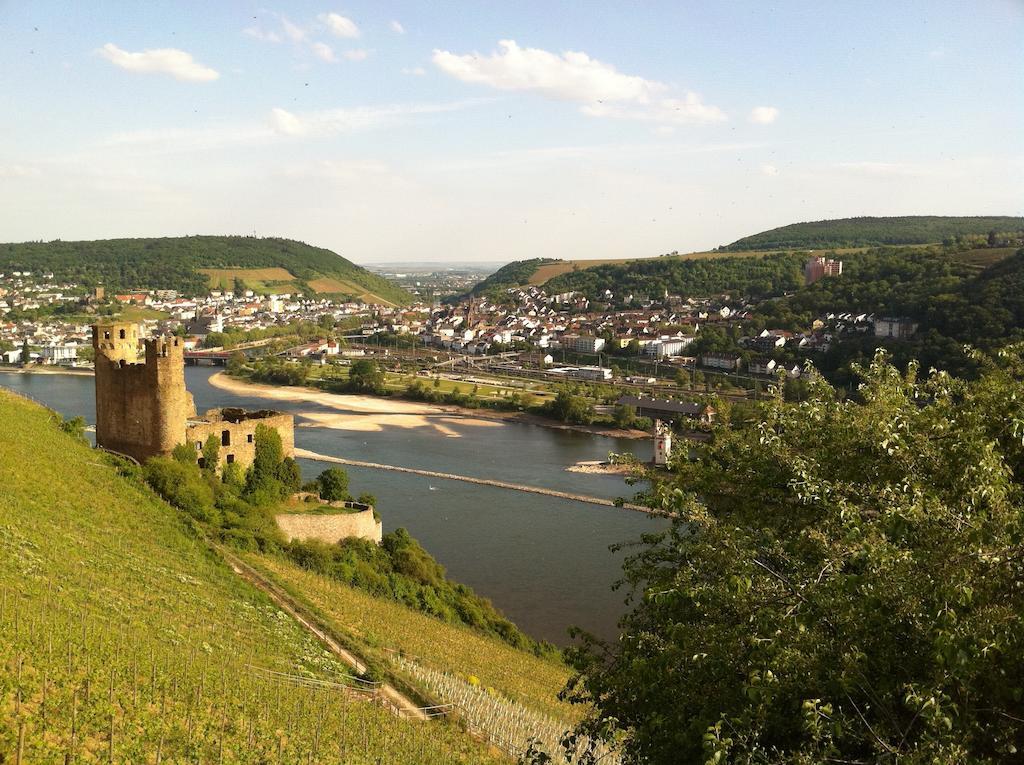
(331, 528)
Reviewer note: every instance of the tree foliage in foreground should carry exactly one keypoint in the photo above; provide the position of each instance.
(845, 583)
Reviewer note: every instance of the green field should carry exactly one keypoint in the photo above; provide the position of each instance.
(985, 256)
(265, 281)
(123, 638)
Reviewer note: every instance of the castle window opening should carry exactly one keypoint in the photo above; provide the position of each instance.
(201, 462)
(106, 335)
(122, 334)
(249, 438)
(225, 438)
(231, 458)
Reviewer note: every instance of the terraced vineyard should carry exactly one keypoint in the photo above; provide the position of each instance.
(385, 626)
(508, 696)
(123, 638)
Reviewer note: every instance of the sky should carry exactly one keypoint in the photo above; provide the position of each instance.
(494, 131)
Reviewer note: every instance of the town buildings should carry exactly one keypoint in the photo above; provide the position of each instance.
(818, 267)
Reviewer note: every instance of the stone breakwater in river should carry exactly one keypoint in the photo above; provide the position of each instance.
(482, 481)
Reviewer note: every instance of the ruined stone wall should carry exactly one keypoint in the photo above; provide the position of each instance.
(330, 528)
(141, 404)
(240, 436)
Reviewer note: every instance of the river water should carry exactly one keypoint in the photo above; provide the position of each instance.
(543, 561)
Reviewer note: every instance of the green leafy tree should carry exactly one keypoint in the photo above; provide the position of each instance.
(333, 485)
(262, 484)
(624, 416)
(184, 454)
(75, 427)
(841, 584)
(366, 376)
(182, 484)
(236, 363)
(26, 354)
(571, 407)
(290, 475)
(232, 476)
(211, 454)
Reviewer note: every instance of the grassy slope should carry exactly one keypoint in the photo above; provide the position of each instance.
(175, 263)
(384, 626)
(115, 617)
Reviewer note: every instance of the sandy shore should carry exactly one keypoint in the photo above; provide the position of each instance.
(372, 413)
(354, 412)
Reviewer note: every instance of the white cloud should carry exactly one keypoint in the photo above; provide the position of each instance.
(396, 27)
(415, 71)
(687, 110)
(172, 61)
(764, 115)
(769, 169)
(331, 121)
(261, 34)
(339, 25)
(19, 171)
(356, 55)
(293, 32)
(286, 123)
(280, 123)
(572, 76)
(575, 76)
(884, 169)
(324, 52)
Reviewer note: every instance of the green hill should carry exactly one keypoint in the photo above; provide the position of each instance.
(195, 264)
(123, 638)
(514, 274)
(872, 232)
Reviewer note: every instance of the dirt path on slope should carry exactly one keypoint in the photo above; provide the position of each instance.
(402, 705)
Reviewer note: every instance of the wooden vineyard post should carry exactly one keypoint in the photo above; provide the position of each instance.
(19, 757)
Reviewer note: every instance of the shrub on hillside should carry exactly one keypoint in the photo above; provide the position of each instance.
(183, 486)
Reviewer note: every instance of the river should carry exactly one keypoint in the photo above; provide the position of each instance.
(543, 561)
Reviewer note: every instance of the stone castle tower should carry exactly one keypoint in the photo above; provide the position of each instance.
(142, 406)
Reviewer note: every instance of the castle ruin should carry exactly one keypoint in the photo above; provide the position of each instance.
(143, 409)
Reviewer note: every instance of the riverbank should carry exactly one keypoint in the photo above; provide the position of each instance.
(359, 412)
(47, 370)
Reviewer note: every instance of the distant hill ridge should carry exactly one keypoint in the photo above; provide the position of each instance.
(853, 234)
(873, 232)
(194, 264)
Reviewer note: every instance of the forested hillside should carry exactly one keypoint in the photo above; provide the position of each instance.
(870, 232)
(954, 303)
(513, 274)
(265, 265)
(756, 277)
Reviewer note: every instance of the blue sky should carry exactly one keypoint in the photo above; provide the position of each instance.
(496, 131)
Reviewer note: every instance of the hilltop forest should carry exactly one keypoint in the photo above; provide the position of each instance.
(873, 232)
(175, 262)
